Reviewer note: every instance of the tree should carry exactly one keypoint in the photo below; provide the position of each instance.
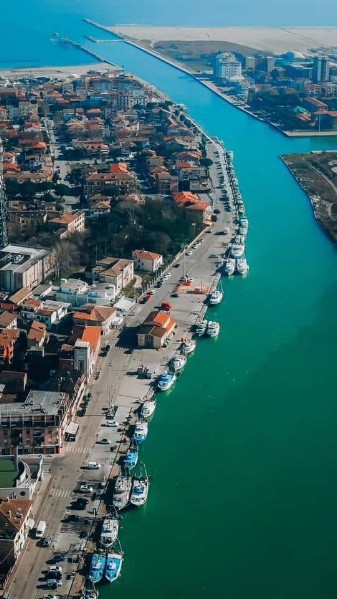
(62, 190)
(64, 257)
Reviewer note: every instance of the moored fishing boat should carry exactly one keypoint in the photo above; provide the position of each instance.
(140, 488)
(97, 567)
(131, 457)
(237, 250)
(109, 532)
(148, 408)
(242, 266)
(201, 328)
(216, 297)
(187, 347)
(114, 562)
(178, 362)
(141, 431)
(122, 491)
(213, 328)
(166, 381)
(229, 267)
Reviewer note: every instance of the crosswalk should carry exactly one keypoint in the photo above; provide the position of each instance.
(60, 493)
(47, 462)
(74, 449)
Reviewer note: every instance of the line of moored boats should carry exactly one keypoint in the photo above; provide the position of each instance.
(133, 490)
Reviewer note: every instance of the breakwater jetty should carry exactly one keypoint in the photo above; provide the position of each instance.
(70, 42)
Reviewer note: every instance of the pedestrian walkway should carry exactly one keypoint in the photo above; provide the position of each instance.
(60, 493)
(74, 449)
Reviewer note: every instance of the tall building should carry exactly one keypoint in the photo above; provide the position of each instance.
(321, 70)
(226, 66)
(269, 64)
(250, 63)
(3, 216)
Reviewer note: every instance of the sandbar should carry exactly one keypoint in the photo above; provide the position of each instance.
(268, 39)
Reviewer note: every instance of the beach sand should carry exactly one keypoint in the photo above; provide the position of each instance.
(268, 39)
(55, 72)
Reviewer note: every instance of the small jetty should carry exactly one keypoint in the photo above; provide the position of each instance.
(78, 46)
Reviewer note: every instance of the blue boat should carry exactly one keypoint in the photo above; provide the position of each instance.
(141, 430)
(114, 563)
(97, 567)
(166, 381)
(131, 458)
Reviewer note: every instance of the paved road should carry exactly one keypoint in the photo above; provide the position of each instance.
(124, 390)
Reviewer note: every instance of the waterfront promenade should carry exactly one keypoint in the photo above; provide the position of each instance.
(119, 385)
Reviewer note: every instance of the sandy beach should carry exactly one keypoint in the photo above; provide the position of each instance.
(275, 40)
(55, 72)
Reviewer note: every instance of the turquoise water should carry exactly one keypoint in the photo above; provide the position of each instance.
(243, 451)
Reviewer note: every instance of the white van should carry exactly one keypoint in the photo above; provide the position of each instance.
(93, 465)
(40, 530)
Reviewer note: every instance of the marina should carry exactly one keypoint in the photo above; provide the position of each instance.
(260, 436)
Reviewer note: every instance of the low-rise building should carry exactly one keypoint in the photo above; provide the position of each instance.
(37, 334)
(37, 425)
(86, 350)
(23, 267)
(15, 524)
(8, 320)
(97, 316)
(68, 223)
(115, 271)
(148, 261)
(78, 292)
(18, 477)
(156, 330)
(8, 338)
(49, 312)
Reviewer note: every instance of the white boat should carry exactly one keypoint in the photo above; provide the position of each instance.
(216, 297)
(237, 251)
(109, 532)
(213, 328)
(187, 347)
(148, 408)
(141, 431)
(243, 230)
(178, 362)
(166, 381)
(122, 490)
(242, 266)
(201, 328)
(230, 267)
(114, 562)
(140, 488)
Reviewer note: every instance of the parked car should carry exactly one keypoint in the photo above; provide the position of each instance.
(47, 541)
(81, 503)
(59, 557)
(112, 424)
(104, 441)
(85, 489)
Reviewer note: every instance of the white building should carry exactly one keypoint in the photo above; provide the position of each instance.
(148, 261)
(226, 66)
(78, 292)
(23, 267)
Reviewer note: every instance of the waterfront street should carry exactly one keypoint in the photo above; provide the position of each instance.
(117, 384)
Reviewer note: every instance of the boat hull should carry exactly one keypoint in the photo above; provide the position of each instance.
(113, 566)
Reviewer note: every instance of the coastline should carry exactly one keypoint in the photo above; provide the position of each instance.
(63, 72)
(316, 191)
(271, 39)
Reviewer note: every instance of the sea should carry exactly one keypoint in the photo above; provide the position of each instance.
(243, 451)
